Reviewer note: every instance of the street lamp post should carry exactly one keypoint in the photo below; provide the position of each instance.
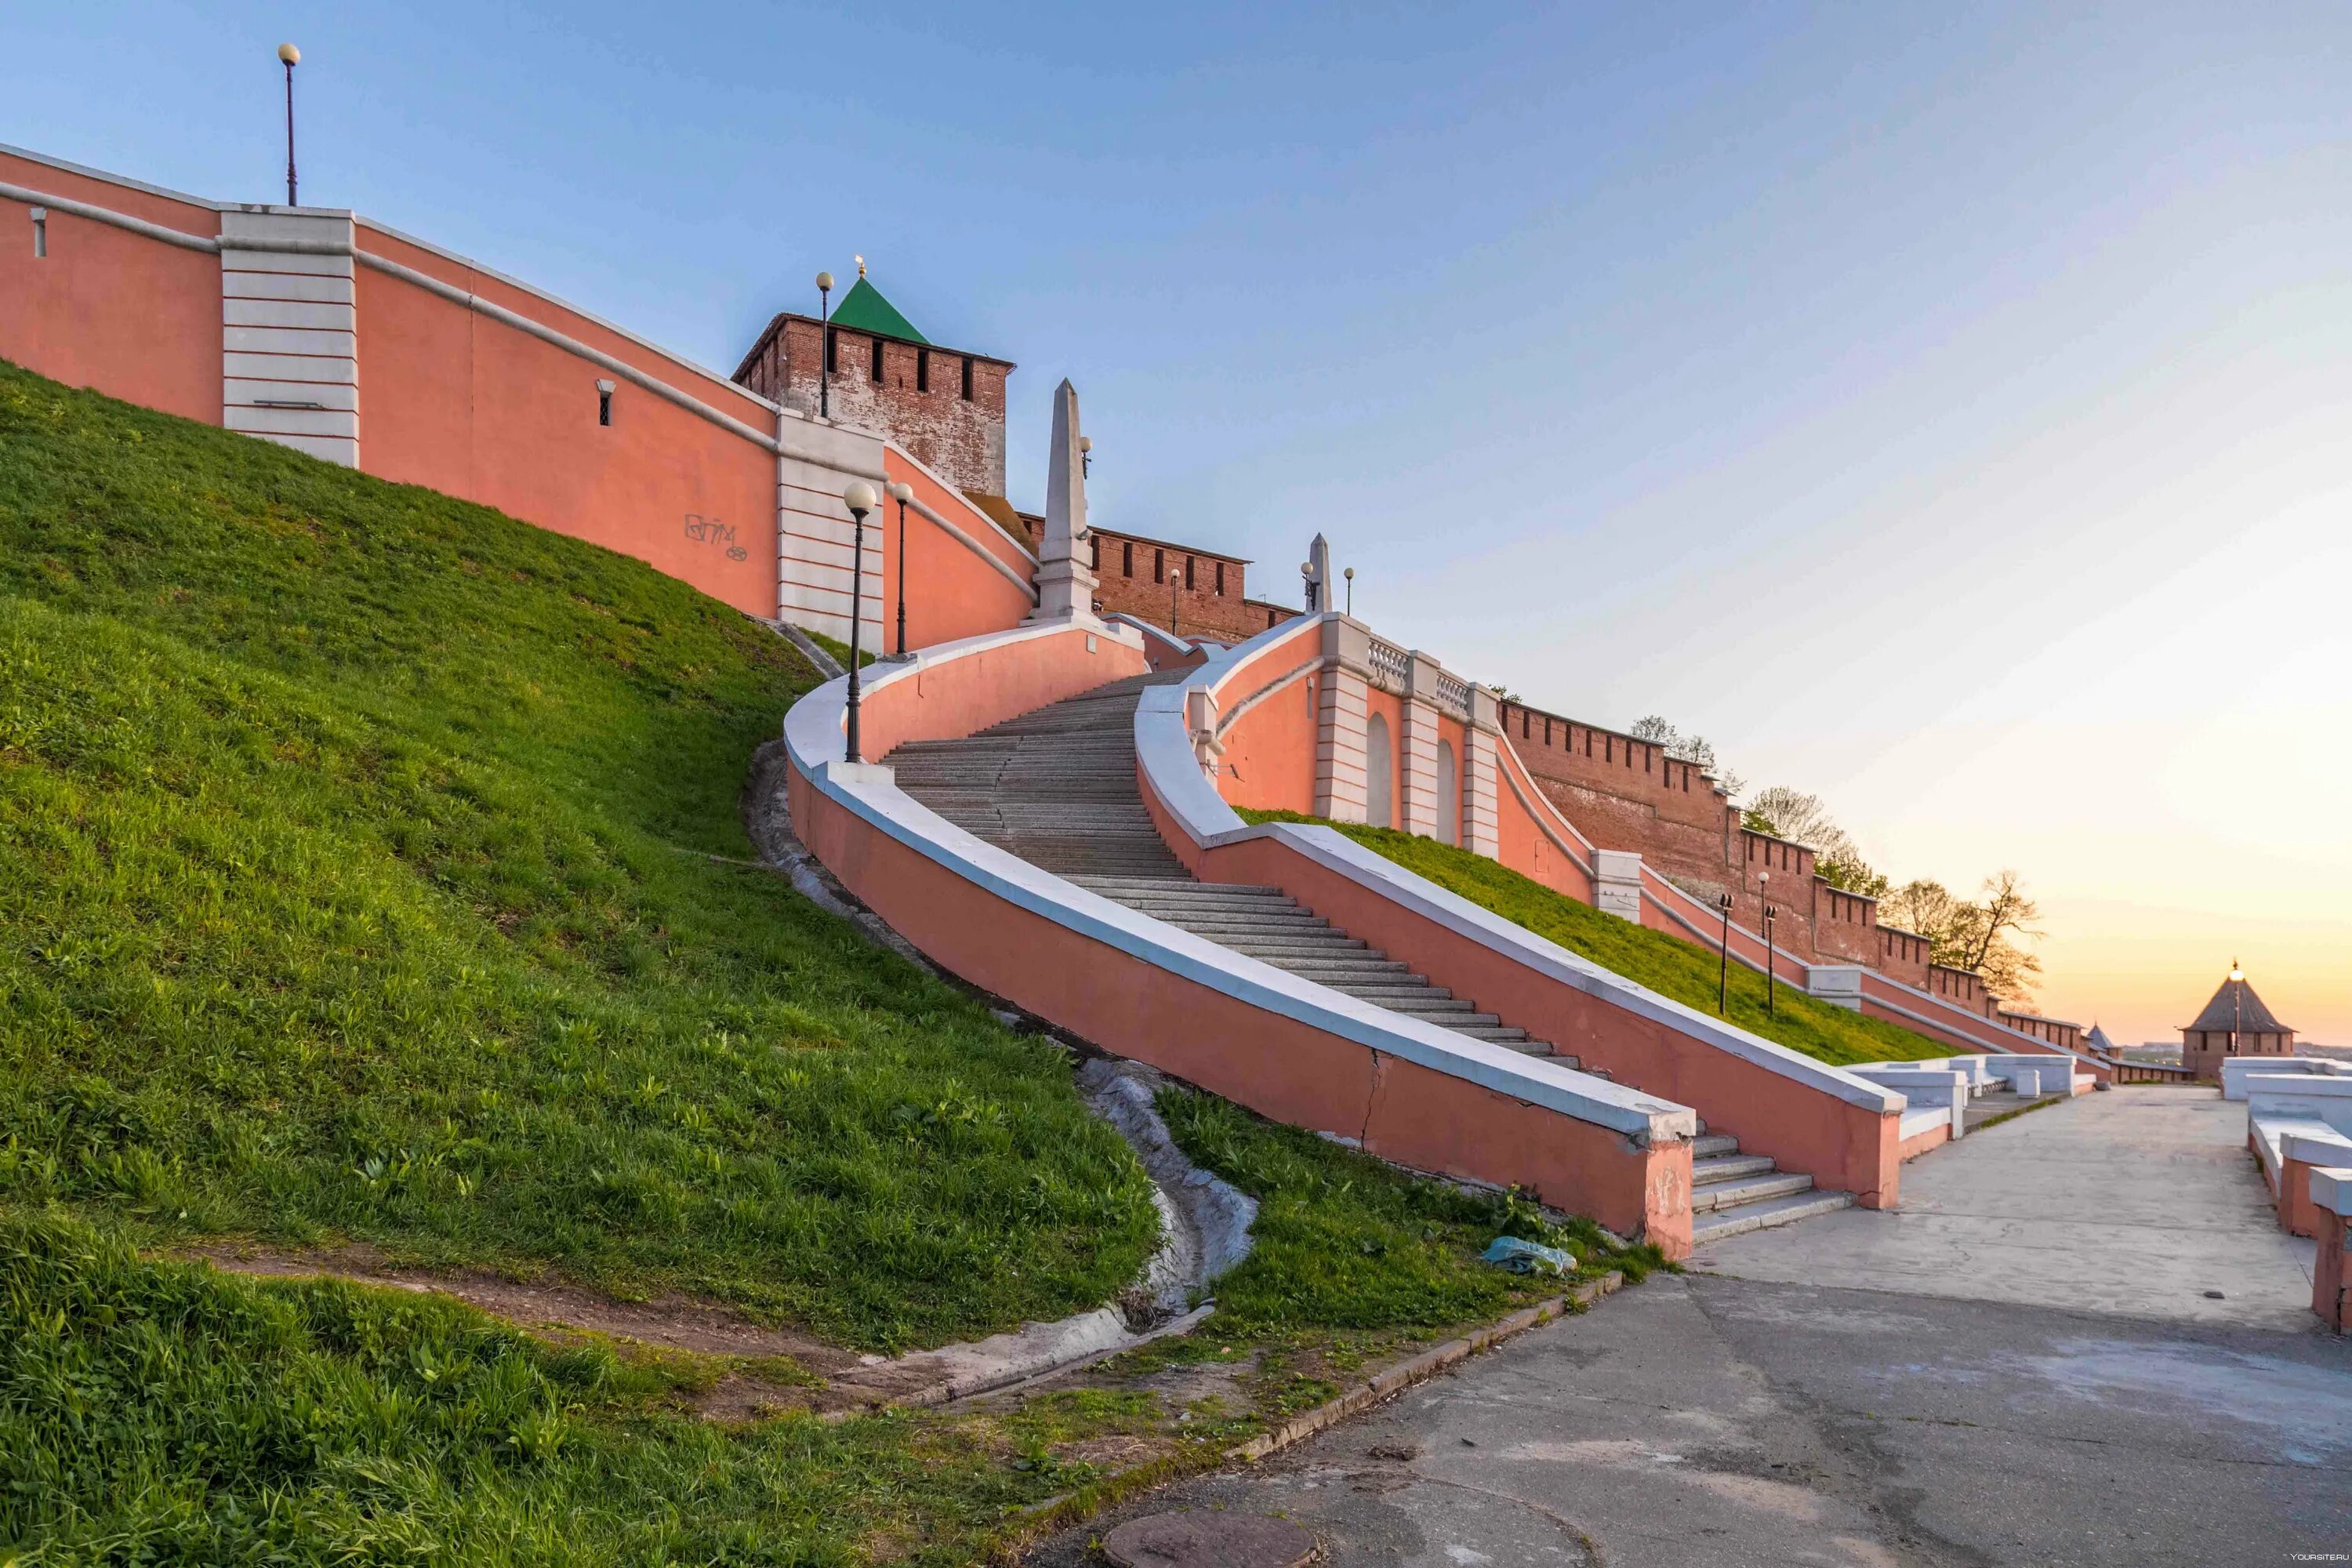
(825, 345)
(1763, 880)
(292, 57)
(860, 499)
(1086, 456)
(1351, 575)
(1723, 958)
(902, 492)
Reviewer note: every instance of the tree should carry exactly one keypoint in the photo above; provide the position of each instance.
(1802, 818)
(1696, 750)
(1980, 936)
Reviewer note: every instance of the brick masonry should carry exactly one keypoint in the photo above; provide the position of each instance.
(944, 406)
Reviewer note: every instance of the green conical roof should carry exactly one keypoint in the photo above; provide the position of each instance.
(863, 309)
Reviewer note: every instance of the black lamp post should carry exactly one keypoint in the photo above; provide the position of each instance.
(1351, 575)
(1762, 880)
(293, 57)
(860, 499)
(825, 345)
(902, 492)
(1086, 456)
(1723, 958)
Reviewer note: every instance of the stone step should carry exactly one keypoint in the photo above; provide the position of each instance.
(1722, 1223)
(1728, 1167)
(1708, 1146)
(1745, 1190)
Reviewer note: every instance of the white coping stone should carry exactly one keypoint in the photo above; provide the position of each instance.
(1924, 1088)
(2331, 1189)
(1164, 753)
(2272, 1133)
(2043, 1074)
(2281, 1095)
(2327, 1148)
(812, 735)
(1927, 1120)
(2234, 1070)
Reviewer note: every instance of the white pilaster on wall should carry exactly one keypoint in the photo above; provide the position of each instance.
(289, 330)
(1617, 877)
(815, 536)
(1417, 767)
(1482, 778)
(1342, 708)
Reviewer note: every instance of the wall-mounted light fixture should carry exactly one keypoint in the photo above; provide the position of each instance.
(40, 232)
(603, 403)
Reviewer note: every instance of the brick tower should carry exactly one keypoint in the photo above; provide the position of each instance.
(944, 406)
(2234, 1023)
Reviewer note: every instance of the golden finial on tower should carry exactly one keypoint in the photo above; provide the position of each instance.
(861, 267)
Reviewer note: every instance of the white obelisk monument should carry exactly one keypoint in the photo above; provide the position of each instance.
(1065, 586)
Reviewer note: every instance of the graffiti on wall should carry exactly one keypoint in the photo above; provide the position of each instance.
(711, 531)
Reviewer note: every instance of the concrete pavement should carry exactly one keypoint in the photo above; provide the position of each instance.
(1878, 1412)
(2136, 1201)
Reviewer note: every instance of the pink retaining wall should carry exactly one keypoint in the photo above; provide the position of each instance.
(1841, 1145)
(1274, 1063)
(2331, 1286)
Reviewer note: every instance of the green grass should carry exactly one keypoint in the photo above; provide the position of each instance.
(1345, 1242)
(361, 887)
(1664, 964)
(165, 1413)
(375, 876)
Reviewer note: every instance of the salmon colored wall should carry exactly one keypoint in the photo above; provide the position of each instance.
(961, 696)
(1524, 846)
(1269, 760)
(458, 401)
(1805, 1129)
(1274, 1064)
(1935, 1137)
(2331, 1283)
(2298, 1214)
(132, 317)
(951, 593)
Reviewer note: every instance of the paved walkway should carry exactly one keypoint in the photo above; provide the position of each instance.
(1976, 1381)
(2136, 1202)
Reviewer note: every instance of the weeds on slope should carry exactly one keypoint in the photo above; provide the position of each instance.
(1666, 964)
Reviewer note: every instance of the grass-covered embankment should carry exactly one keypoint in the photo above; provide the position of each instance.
(362, 888)
(1665, 965)
(374, 877)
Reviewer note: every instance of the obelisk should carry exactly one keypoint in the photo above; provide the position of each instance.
(1065, 585)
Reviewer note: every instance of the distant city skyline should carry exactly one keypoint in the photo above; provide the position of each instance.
(1941, 411)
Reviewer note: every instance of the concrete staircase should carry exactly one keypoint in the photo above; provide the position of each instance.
(1056, 787)
(1733, 1194)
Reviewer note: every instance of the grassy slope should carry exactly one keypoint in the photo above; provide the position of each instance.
(360, 887)
(1666, 964)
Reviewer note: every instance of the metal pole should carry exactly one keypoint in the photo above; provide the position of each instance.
(902, 574)
(289, 136)
(856, 619)
(1723, 967)
(1770, 992)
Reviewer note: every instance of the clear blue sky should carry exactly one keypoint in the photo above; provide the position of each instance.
(1942, 409)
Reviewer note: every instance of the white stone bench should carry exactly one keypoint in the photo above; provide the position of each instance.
(2237, 1070)
(2034, 1074)
(1926, 1092)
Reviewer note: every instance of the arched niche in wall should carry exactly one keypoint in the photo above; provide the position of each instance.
(1380, 768)
(1449, 794)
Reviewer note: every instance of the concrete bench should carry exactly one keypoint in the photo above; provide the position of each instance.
(1923, 1089)
(2031, 1074)
(2300, 1152)
(2237, 1070)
